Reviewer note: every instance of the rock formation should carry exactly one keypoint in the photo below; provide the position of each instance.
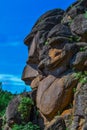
(56, 68)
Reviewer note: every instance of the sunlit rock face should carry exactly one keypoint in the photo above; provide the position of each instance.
(57, 62)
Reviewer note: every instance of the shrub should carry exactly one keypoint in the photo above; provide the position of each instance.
(28, 126)
(17, 127)
(25, 107)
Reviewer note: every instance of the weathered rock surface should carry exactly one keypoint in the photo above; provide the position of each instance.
(55, 96)
(79, 26)
(29, 73)
(45, 83)
(74, 10)
(44, 24)
(80, 107)
(57, 124)
(34, 84)
(57, 62)
(1, 122)
(58, 48)
(67, 116)
(79, 61)
(12, 114)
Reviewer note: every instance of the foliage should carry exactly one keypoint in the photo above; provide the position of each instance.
(37, 113)
(5, 97)
(74, 38)
(74, 90)
(17, 127)
(46, 43)
(70, 21)
(58, 113)
(83, 48)
(77, 38)
(85, 14)
(28, 126)
(81, 76)
(71, 38)
(25, 107)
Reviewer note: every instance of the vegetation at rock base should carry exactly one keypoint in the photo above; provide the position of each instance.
(37, 113)
(25, 107)
(5, 97)
(82, 76)
(66, 128)
(28, 126)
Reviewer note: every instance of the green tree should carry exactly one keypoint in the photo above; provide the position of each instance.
(5, 97)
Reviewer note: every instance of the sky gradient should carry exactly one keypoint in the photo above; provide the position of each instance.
(16, 20)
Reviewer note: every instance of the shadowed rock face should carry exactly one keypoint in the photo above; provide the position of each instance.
(57, 49)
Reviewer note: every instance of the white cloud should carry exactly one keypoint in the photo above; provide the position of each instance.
(13, 83)
(11, 79)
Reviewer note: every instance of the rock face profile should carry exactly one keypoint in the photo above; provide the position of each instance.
(56, 68)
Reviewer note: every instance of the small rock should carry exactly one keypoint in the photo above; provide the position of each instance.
(56, 124)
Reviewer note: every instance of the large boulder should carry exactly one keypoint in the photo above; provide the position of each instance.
(12, 114)
(29, 73)
(78, 7)
(80, 108)
(44, 24)
(60, 30)
(54, 95)
(79, 26)
(45, 83)
(57, 59)
(33, 52)
(79, 61)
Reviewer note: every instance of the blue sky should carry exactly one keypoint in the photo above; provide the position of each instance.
(16, 20)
